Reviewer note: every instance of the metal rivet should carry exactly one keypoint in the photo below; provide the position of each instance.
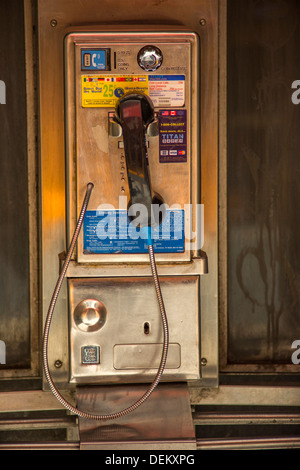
(58, 364)
(202, 21)
(53, 23)
(203, 361)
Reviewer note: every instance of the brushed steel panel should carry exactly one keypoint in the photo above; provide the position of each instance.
(167, 429)
(93, 155)
(130, 303)
(144, 356)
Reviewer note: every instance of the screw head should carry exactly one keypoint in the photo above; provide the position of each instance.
(58, 363)
(202, 22)
(203, 361)
(53, 23)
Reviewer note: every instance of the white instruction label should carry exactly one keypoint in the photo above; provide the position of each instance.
(167, 90)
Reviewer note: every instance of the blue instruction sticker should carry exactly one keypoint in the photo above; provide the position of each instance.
(94, 59)
(110, 231)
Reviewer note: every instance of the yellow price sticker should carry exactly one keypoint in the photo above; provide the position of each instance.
(104, 91)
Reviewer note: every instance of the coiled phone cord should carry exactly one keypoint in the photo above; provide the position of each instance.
(160, 370)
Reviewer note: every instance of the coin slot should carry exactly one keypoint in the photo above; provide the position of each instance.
(146, 328)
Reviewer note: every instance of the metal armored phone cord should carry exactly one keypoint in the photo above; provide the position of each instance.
(156, 380)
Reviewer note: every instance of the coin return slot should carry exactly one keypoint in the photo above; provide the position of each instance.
(147, 328)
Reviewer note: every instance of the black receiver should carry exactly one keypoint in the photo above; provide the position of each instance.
(134, 113)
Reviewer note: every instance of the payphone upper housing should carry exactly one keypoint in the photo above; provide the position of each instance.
(100, 68)
(122, 339)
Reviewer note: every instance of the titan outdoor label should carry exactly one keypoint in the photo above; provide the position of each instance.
(172, 135)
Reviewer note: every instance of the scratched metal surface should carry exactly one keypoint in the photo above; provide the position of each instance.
(263, 183)
(14, 230)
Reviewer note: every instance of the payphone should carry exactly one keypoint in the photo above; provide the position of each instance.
(132, 157)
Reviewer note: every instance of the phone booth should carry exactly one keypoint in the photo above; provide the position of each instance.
(149, 244)
(128, 296)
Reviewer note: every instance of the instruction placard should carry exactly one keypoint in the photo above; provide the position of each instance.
(106, 90)
(167, 90)
(99, 91)
(110, 231)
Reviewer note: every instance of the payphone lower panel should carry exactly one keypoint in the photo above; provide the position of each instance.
(117, 333)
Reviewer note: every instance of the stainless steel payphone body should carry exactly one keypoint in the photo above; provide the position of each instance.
(115, 328)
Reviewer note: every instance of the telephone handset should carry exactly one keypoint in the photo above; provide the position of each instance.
(134, 113)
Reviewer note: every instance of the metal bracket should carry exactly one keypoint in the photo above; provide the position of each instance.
(164, 421)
